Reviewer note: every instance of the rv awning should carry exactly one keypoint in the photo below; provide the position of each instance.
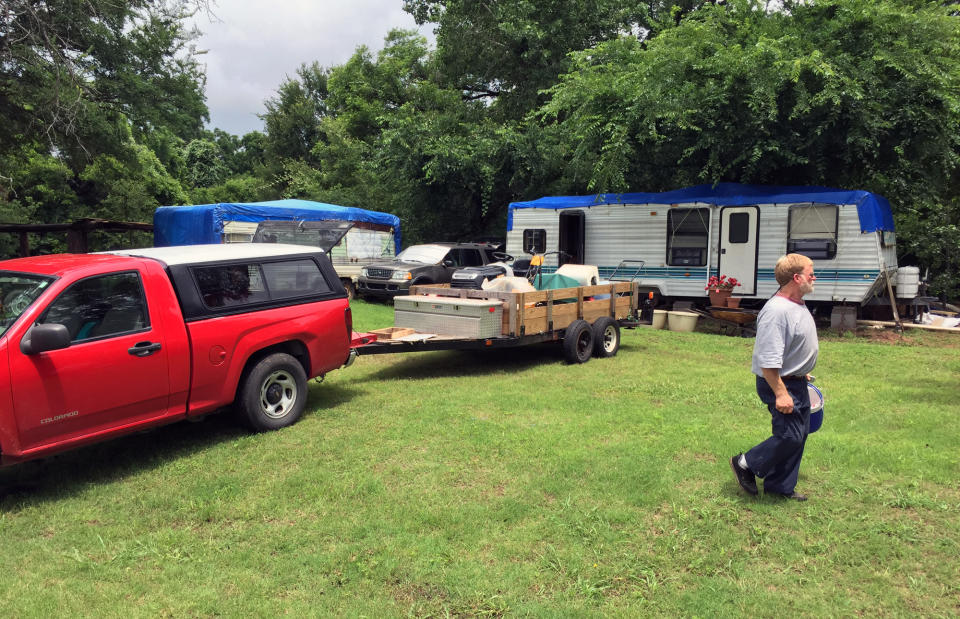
(203, 223)
(874, 211)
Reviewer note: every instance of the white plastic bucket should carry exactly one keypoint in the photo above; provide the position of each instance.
(682, 321)
(816, 407)
(908, 282)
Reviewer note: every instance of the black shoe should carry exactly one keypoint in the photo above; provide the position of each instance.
(744, 476)
(793, 496)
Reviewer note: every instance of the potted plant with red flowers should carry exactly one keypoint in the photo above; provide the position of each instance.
(720, 289)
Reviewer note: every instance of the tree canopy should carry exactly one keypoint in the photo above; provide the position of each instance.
(104, 111)
(847, 93)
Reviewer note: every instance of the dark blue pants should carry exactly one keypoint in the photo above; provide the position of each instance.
(777, 459)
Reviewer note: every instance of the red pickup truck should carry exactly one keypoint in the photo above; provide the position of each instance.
(97, 345)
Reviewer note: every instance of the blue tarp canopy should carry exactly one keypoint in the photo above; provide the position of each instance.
(874, 210)
(203, 223)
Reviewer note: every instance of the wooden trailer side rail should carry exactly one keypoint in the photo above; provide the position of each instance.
(531, 313)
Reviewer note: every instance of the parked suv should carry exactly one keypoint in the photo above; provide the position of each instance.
(423, 264)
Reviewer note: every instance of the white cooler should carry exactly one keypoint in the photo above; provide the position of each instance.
(478, 318)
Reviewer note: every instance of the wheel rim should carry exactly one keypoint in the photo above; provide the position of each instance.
(278, 393)
(610, 338)
(584, 345)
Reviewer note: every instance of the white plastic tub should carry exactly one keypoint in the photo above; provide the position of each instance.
(659, 319)
(682, 321)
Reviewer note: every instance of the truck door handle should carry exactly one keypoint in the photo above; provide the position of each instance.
(144, 349)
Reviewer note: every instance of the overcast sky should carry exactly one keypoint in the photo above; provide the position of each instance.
(252, 45)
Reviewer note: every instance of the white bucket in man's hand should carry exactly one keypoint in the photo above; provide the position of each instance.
(816, 407)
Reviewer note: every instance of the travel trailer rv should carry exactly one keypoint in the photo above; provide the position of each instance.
(374, 235)
(674, 241)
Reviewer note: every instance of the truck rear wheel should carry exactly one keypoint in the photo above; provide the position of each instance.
(606, 337)
(578, 342)
(274, 393)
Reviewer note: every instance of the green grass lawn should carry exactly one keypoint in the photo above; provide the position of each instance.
(510, 483)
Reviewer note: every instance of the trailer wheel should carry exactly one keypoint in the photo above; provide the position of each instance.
(606, 337)
(273, 393)
(578, 342)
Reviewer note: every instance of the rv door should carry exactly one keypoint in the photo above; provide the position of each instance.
(739, 226)
(571, 237)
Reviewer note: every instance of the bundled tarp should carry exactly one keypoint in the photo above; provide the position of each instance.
(874, 211)
(203, 223)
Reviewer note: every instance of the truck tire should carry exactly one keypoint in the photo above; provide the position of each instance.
(606, 337)
(351, 289)
(273, 393)
(578, 342)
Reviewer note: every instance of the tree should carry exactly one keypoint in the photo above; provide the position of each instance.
(205, 164)
(97, 100)
(849, 93)
(65, 66)
(506, 52)
(292, 118)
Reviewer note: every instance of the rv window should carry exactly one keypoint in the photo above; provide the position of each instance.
(739, 226)
(813, 230)
(534, 241)
(687, 235)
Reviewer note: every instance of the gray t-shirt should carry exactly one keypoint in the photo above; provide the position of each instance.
(786, 338)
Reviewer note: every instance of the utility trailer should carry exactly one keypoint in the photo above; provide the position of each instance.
(586, 320)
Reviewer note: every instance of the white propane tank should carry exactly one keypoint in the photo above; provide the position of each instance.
(585, 274)
(908, 282)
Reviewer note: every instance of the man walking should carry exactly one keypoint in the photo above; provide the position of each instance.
(784, 354)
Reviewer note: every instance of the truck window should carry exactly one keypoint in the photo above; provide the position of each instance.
(687, 235)
(100, 307)
(230, 285)
(17, 292)
(471, 258)
(294, 278)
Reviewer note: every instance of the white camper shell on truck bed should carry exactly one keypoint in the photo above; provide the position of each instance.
(680, 238)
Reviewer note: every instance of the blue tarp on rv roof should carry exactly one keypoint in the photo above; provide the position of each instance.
(874, 210)
(203, 223)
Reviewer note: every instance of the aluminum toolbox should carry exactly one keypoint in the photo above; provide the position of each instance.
(449, 316)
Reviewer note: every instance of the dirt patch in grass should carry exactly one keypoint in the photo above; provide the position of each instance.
(911, 337)
(687, 456)
(412, 593)
(886, 336)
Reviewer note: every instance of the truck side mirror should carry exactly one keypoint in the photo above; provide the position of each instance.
(449, 263)
(44, 337)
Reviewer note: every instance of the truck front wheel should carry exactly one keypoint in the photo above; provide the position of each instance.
(274, 393)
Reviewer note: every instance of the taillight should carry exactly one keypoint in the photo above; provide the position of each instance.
(348, 320)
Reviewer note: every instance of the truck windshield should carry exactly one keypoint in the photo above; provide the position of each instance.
(428, 254)
(17, 292)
